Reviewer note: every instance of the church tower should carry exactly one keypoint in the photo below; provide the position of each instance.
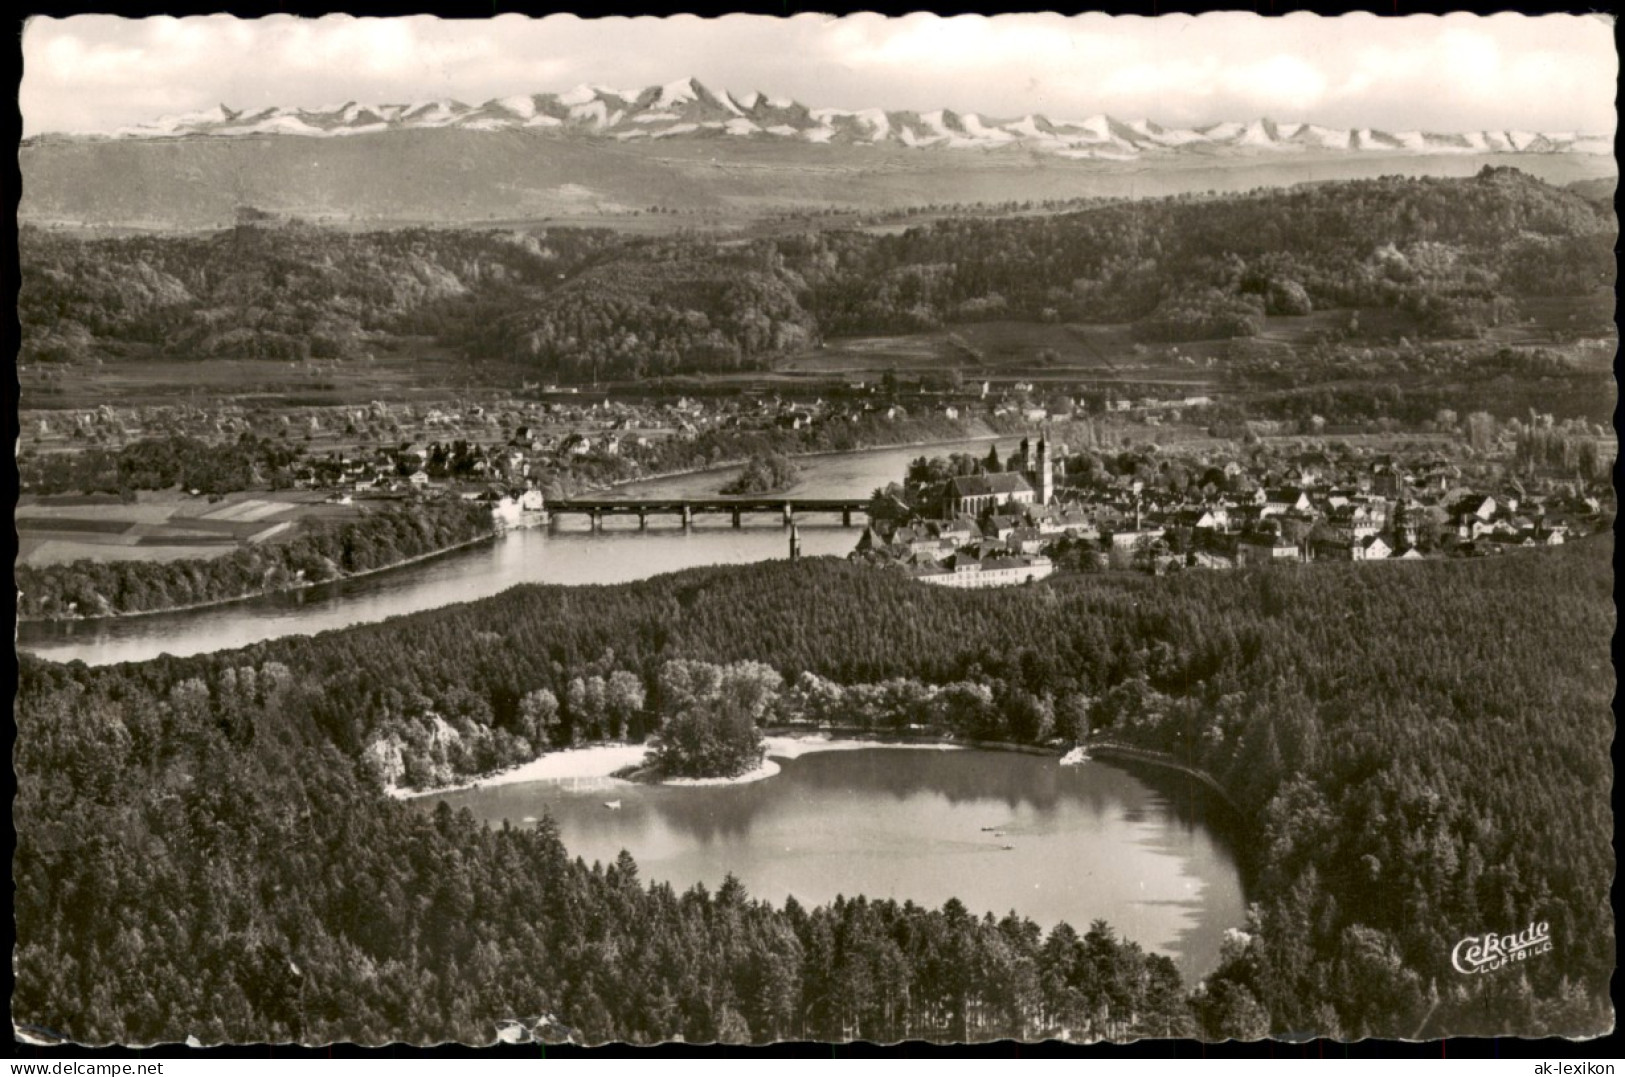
(795, 543)
(1044, 477)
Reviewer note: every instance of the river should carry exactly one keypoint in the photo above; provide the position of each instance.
(997, 830)
(568, 553)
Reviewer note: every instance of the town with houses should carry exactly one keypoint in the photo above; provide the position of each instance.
(965, 522)
(548, 434)
(1019, 519)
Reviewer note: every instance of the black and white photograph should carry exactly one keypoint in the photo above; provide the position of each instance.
(829, 529)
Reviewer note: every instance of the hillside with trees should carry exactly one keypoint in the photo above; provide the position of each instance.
(1416, 754)
(1456, 256)
(1455, 252)
(276, 290)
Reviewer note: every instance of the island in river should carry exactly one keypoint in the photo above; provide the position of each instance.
(764, 473)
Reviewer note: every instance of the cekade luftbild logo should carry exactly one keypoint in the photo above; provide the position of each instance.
(1487, 953)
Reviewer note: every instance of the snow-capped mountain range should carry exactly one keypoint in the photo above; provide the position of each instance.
(688, 108)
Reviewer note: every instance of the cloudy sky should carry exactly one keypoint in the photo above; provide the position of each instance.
(1459, 72)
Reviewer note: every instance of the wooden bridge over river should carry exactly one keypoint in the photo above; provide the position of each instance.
(687, 508)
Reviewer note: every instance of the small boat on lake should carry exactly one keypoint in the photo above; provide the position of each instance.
(613, 805)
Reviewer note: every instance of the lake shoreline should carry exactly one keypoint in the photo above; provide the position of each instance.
(622, 762)
(1106, 752)
(604, 762)
(892, 823)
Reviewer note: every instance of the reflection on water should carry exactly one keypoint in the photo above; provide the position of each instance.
(1000, 831)
(570, 554)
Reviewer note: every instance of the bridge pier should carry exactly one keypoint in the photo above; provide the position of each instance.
(789, 509)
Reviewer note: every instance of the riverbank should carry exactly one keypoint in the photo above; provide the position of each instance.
(719, 466)
(292, 588)
(61, 618)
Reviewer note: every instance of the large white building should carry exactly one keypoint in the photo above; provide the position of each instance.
(964, 571)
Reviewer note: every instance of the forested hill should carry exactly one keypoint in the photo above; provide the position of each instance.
(1458, 255)
(1418, 752)
(282, 291)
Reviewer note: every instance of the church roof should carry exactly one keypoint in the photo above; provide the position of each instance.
(1003, 482)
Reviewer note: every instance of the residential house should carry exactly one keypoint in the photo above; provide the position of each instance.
(1131, 537)
(1354, 522)
(1000, 525)
(1479, 505)
(1025, 540)
(1204, 517)
(1265, 547)
(1372, 548)
(1285, 499)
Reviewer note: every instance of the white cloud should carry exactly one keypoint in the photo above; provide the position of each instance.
(1282, 80)
(1199, 78)
(1456, 72)
(1469, 56)
(972, 41)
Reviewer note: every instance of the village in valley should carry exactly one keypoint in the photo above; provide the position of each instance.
(879, 531)
(986, 522)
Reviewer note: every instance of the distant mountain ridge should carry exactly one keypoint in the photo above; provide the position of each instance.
(689, 109)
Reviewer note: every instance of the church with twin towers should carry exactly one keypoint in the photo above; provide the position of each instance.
(1028, 479)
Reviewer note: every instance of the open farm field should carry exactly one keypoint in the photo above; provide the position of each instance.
(39, 552)
(1000, 351)
(1566, 316)
(1589, 399)
(162, 526)
(422, 373)
(914, 352)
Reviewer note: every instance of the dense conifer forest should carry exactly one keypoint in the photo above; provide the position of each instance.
(1416, 752)
(1456, 255)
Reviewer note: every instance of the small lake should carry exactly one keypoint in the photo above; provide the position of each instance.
(568, 553)
(1072, 844)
